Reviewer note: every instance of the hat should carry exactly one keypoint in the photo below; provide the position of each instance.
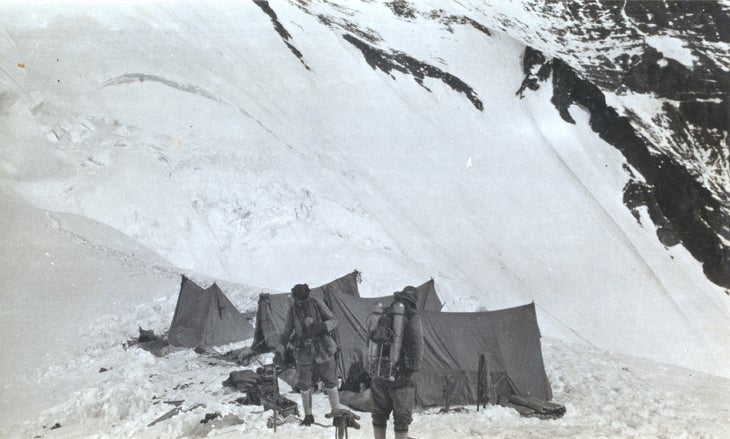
(408, 294)
(300, 291)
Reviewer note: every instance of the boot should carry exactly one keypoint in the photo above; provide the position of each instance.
(334, 396)
(401, 435)
(307, 404)
(378, 432)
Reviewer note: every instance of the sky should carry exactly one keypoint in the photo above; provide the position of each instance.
(141, 141)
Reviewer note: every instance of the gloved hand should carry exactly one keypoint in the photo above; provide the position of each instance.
(407, 374)
(280, 350)
(278, 358)
(318, 328)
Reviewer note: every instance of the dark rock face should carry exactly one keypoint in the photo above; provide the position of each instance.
(531, 59)
(370, 43)
(682, 208)
(280, 29)
(673, 53)
(682, 151)
(402, 8)
(706, 18)
(388, 61)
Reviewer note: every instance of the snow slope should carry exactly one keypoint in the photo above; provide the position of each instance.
(132, 130)
(93, 385)
(67, 272)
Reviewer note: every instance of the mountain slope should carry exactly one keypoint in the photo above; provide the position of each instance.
(292, 143)
(67, 271)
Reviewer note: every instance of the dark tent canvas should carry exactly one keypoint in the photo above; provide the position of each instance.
(346, 284)
(509, 340)
(272, 309)
(205, 318)
(427, 297)
(351, 314)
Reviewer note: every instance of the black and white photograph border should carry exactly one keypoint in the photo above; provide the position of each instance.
(552, 178)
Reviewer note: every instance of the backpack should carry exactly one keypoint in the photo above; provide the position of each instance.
(383, 332)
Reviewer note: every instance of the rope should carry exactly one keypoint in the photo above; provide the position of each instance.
(372, 285)
(568, 327)
(262, 341)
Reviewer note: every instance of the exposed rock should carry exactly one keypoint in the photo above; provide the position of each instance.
(281, 30)
(388, 61)
(683, 210)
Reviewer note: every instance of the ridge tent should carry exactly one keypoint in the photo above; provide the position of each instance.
(508, 338)
(205, 318)
(427, 297)
(453, 344)
(272, 309)
(351, 329)
(346, 284)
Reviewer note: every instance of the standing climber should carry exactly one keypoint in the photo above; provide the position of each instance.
(306, 333)
(396, 392)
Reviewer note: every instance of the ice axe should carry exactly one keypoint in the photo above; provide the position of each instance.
(276, 397)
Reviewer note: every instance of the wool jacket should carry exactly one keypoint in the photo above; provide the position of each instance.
(297, 336)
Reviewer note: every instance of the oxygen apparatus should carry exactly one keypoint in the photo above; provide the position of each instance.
(374, 349)
(385, 339)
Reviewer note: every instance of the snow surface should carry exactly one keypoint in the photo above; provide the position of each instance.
(674, 48)
(141, 140)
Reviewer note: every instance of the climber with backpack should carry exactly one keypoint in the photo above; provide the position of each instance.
(395, 350)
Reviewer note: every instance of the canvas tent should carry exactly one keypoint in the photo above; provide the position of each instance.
(351, 330)
(508, 338)
(454, 342)
(506, 341)
(272, 309)
(427, 298)
(205, 318)
(497, 351)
